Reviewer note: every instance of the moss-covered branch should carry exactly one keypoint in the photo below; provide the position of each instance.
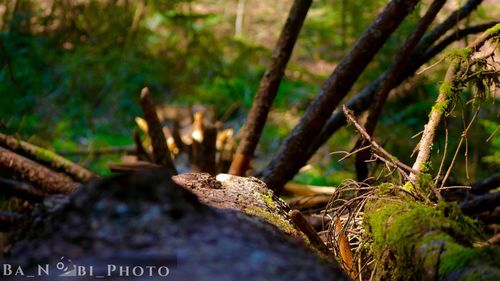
(40, 176)
(450, 88)
(415, 241)
(47, 157)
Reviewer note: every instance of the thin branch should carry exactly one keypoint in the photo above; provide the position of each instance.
(301, 223)
(335, 88)
(375, 146)
(268, 88)
(444, 152)
(362, 100)
(400, 62)
(443, 101)
(464, 136)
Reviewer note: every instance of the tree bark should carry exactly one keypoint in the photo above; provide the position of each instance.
(47, 157)
(336, 87)
(161, 154)
(268, 88)
(400, 62)
(43, 178)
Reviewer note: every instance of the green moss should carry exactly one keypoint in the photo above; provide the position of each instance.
(398, 228)
(441, 106)
(386, 188)
(426, 167)
(425, 182)
(268, 198)
(47, 156)
(495, 30)
(446, 88)
(274, 219)
(460, 258)
(408, 187)
(461, 53)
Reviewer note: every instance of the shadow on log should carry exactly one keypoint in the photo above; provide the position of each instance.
(224, 228)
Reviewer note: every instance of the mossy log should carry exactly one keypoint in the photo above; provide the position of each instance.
(417, 241)
(47, 157)
(41, 177)
(223, 228)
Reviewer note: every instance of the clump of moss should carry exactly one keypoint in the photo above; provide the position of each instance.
(386, 188)
(268, 198)
(396, 228)
(463, 54)
(274, 219)
(495, 30)
(469, 263)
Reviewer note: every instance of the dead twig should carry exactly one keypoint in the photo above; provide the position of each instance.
(302, 224)
(375, 146)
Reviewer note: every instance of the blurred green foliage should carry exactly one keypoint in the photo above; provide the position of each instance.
(75, 70)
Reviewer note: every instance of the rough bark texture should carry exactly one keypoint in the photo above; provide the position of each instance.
(362, 101)
(161, 154)
(336, 87)
(447, 90)
(47, 157)
(268, 87)
(400, 62)
(40, 176)
(229, 228)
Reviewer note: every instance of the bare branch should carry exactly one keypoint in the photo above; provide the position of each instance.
(268, 88)
(335, 88)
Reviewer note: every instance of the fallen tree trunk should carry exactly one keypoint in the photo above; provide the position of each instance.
(224, 228)
(40, 176)
(47, 157)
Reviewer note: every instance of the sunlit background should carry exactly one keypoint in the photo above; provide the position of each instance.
(71, 73)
